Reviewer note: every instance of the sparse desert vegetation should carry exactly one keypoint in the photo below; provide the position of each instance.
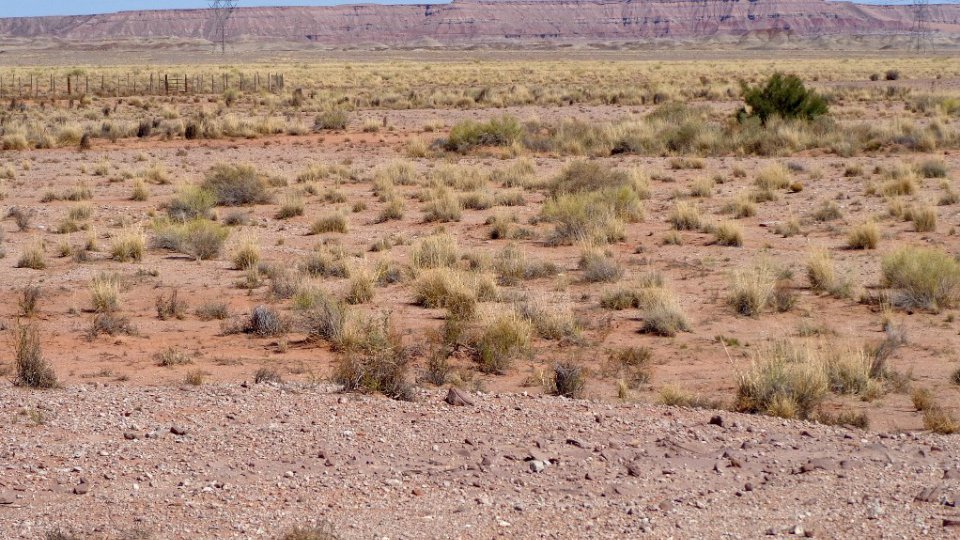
(507, 226)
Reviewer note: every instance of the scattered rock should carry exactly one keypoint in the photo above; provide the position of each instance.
(130, 436)
(537, 466)
(82, 488)
(716, 420)
(177, 430)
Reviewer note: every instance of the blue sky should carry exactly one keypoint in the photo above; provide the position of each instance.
(29, 8)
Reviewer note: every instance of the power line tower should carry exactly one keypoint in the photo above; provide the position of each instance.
(920, 34)
(222, 11)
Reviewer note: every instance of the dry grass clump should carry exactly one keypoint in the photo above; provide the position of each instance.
(773, 176)
(105, 293)
(245, 253)
(513, 266)
(924, 219)
(171, 357)
(376, 364)
(820, 271)
(662, 313)
(331, 223)
(29, 300)
(633, 365)
(500, 339)
(939, 420)
(469, 134)
(361, 289)
(740, 208)
(828, 211)
(128, 245)
(753, 288)
(32, 369)
(899, 181)
(436, 251)
(590, 202)
(519, 174)
(443, 206)
(325, 264)
(170, 306)
(784, 380)
(236, 185)
(864, 236)
(550, 320)
(925, 278)
(201, 239)
(455, 291)
(319, 532)
(932, 168)
(291, 205)
(332, 120)
(727, 233)
(569, 380)
(210, 311)
(33, 256)
(191, 202)
(685, 217)
(599, 266)
(392, 211)
(140, 191)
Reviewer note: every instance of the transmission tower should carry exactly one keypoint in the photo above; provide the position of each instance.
(222, 11)
(920, 34)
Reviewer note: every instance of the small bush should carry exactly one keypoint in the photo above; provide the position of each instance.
(171, 306)
(267, 375)
(783, 96)
(773, 176)
(291, 206)
(598, 267)
(128, 245)
(32, 370)
(828, 211)
(925, 277)
(213, 311)
(246, 253)
(685, 217)
(361, 287)
(191, 202)
(105, 293)
(783, 381)
(322, 532)
(447, 289)
(378, 364)
(332, 223)
(633, 365)
(753, 289)
(864, 236)
(469, 134)
(568, 380)
(443, 207)
(33, 257)
(171, 356)
(924, 219)
(140, 192)
(662, 314)
(728, 233)
(392, 211)
(264, 322)
(236, 185)
(437, 251)
(29, 300)
(933, 168)
(111, 324)
(499, 341)
(335, 119)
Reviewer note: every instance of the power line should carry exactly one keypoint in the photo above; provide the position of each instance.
(920, 34)
(222, 11)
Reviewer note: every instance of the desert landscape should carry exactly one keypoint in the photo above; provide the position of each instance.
(478, 292)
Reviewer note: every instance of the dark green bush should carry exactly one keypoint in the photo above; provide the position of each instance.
(784, 96)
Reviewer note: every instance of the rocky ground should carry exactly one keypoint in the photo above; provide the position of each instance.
(252, 461)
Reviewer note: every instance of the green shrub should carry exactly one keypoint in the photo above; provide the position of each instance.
(924, 277)
(191, 202)
(469, 134)
(331, 223)
(32, 370)
(377, 364)
(783, 96)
